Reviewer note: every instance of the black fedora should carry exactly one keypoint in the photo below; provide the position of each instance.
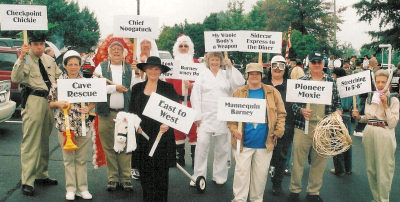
(153, 61)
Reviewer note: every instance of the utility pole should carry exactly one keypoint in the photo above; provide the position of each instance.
(334, 24)
(138, 7)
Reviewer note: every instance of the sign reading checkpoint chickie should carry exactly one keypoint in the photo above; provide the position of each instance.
(23, 17)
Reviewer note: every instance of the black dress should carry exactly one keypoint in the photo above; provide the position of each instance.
(153, 170)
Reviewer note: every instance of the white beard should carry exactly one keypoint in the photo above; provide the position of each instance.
(184, 58)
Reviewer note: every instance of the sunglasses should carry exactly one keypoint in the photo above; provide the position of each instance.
(181, 46)
(280, 66)
(316, 62)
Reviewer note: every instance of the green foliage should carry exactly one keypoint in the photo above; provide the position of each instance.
(312, 23)
(68, 25)
(387, 12)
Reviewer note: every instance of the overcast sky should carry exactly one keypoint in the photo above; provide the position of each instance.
(172, 12)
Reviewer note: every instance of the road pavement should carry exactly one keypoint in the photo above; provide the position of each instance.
(351, 188)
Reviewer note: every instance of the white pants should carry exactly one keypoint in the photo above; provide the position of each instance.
(221, 152)
(251, 172)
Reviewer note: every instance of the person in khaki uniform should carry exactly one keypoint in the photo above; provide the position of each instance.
(75, 162)
(257, 141)
(302, 143)
(31, 70)
(118, 96)
(379, 139)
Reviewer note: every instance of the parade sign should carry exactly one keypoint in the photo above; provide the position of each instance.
(305, 91)
(170, 113)
(170, 64)
(222, 41)
(23, 17)
(187, 71)
(354, 84)
(135, 26)
(262, 42)
(245, 41)
(82, 90)
(241, 109)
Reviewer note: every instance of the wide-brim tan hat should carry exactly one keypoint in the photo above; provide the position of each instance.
(254, 67)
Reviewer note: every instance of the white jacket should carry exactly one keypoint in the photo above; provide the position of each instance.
(207, 90)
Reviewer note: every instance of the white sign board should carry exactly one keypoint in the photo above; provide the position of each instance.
(170, 64)
(241, 109)
(354, 84)
(23, 17)
(262, 42)
(82, 90)
(170, 113)
(245, 41)
(135, 26)
(222, 41)
(187, 71)
(305, 91)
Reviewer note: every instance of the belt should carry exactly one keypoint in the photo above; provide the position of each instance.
(116, 110)
(182, 98)
(378, 123)
(40, 93)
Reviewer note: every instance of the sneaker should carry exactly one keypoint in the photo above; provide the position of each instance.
(337, 174)
(358, 134)
(293, 197)
(349, 173)
(111, 186)
(85, 195)
(313, 198)
(135, 174)
(70, 196)
(192, 184)
(219, 182)
(127, 186)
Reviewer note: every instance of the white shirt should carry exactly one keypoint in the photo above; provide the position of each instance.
(116, 98)
(205, 93)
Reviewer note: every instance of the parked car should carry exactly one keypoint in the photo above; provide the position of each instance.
(165, 55)
(7, 106)
(10, 42)
(8, 56)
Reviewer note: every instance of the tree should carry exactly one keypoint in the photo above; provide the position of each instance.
(68, 25)
(387, 12)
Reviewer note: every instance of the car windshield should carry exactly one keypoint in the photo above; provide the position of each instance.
(7, 61)
(18, 43)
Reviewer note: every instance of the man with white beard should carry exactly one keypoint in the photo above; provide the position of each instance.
(183, 52)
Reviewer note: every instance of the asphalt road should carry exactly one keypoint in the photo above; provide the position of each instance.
(352, 188)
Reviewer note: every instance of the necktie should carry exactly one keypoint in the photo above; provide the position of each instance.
(44, 74)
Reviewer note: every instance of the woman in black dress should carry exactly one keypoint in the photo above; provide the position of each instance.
(153, 170)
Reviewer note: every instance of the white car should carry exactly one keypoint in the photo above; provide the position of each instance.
(7, 106)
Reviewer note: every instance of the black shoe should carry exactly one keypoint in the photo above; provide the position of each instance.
(127, 186)
(337, 174)
(47, 181)
(111, 186)
(27, 190)
(276, 189)
(293, 197)
(313, 198)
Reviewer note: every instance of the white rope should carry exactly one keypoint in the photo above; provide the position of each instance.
(331, 136)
